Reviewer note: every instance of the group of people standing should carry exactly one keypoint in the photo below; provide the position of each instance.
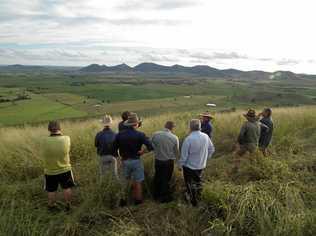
(120, 154)
(256, 131)
(128, 144)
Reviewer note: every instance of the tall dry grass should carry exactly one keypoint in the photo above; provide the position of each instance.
(267, 196)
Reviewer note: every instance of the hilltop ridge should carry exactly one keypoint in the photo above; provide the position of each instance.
(197, 70)
(150, 68)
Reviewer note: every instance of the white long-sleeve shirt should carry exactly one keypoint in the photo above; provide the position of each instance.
(195, 151)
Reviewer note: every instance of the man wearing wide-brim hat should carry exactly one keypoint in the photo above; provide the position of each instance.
(129, 144)
(104, 141)
(249, 133)
(206, 125)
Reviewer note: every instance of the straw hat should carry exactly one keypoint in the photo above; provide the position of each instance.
(132, 120)
(207, 114)
(251, 114)
(107, 120)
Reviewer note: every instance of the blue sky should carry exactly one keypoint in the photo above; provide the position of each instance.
(247, 34)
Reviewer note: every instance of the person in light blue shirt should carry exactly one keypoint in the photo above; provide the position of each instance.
(197, 148)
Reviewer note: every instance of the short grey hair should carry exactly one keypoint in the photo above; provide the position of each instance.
(195, 125)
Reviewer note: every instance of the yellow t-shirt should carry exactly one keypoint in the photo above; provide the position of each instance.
(56, 154)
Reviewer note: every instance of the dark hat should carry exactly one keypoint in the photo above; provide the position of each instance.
(250, 114)
(132, 120)
(125, 115)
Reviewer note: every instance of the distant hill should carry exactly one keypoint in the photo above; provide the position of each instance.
(199, 70)
(103, 68)
(161, 70)
(17, 68)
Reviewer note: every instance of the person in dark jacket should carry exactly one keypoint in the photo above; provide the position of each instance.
(249, 134)
(206, 125)
(129, 144)
(104, 141)
(266, 134)
(121, 125)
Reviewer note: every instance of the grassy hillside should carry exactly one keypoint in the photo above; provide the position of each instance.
(267, 196)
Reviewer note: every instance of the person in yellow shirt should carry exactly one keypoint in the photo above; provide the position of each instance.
(57, 167)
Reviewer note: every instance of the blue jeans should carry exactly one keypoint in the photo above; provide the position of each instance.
(133, 169)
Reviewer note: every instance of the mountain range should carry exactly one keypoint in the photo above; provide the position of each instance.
(156, 69)
(198, 70)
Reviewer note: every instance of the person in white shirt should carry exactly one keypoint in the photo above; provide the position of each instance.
(197, 148)
(166, 149)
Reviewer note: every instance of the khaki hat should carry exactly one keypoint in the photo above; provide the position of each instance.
(107, 120)
(251, 114)
(207, 114)
(132, 120)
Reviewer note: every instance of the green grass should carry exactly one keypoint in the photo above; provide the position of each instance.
(267, 196)
(36, 109)
(77, 95)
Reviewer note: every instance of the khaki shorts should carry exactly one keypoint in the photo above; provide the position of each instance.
(243, 149)
(108, 165)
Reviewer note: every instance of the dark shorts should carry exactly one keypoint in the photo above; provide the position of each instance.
(65, 180)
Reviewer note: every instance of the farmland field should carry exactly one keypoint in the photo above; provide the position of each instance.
(267, 196)
(61, 95)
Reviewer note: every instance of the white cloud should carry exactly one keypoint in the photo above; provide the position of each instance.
(249, 34)
(136, 5)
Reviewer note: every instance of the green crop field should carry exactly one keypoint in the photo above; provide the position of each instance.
(36, 109)
(60, 95)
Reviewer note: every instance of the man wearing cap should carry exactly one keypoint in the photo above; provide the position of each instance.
(129, 144)
(206, 125)
(266, 134)
(166, 149)
(104, 141)
(249, 134)
(197, 148)
(57, 167)
(125, 116)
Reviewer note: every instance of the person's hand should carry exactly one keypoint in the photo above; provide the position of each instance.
(141, 152)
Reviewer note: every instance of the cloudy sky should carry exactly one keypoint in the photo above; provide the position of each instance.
(245, 34)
